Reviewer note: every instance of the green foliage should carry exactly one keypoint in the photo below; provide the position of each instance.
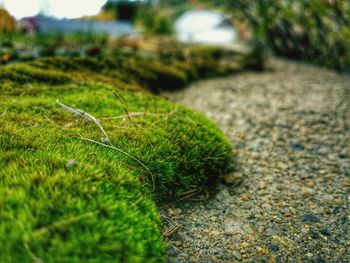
(310, 30)
(67, 199)
(170, 67)
(26, 74)
(151, 18)
(125, 10)
(155, 21)
(16, 46)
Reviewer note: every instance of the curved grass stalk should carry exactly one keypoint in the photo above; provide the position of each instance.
(125, 153)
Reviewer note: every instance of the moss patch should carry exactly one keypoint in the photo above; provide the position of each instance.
(64, 198)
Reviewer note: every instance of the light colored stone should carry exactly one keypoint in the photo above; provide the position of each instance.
(245, 197)
(237, 255)
(224, 196)
(234, 227)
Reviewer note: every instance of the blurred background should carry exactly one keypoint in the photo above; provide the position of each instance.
(316, 31)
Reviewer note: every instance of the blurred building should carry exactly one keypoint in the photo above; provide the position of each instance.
(45, 24)
(28, 25)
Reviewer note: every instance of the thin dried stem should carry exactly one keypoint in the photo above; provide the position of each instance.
(34, 258)
(205, 197)
(4, 113)
(123, 104)
(52, 226)
(187, 196)
(171, 231)
(84, 114)
(195, 190)
(51, 121)
(168, 220)
(63, 222)
(131, 114)
(125, 153)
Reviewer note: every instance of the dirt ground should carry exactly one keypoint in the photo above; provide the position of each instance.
(288, 199)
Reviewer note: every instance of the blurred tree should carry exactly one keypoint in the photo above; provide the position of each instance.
(124, 9)
(7, 22)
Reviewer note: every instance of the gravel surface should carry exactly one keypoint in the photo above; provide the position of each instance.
(288, 200)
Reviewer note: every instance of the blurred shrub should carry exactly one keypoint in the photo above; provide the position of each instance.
(312, 30)
(316, 31)
(155, 21)
(123, 9)
(17, 46)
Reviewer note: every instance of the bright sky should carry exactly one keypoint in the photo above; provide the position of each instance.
(57, 8)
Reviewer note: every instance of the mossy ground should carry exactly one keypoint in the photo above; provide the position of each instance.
(67, 199)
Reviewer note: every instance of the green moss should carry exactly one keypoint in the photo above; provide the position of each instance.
(27, 74)
(66, 199)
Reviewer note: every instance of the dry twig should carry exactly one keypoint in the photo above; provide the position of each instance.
(205, 197)
(171, 231)
(34, 258)
(194, 190)
(125, 153)
(131, 114)
(167, 219)
(63, 222)
(52, 226)
(188, 194)
(51, 121)
(4, 113)
(84, 114)
(123, 104)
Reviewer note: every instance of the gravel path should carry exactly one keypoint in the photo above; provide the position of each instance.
(289, 196)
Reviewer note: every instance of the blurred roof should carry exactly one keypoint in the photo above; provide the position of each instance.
(113, 28)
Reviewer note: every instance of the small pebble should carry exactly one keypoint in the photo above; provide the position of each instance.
(245, 197)
(310, 218)
(237, 255)
(273, 247)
